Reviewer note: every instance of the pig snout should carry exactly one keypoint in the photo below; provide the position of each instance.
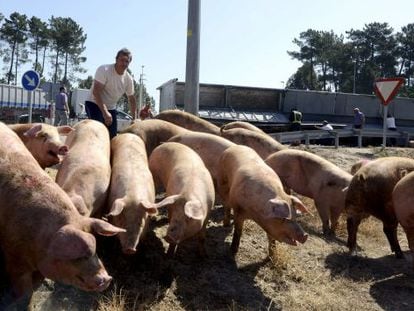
(170, 239)
(129, 250)
(302, 239)
(102, 282)
(63, 150)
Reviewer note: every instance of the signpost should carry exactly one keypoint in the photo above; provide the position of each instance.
(30, 82)
(386, 89)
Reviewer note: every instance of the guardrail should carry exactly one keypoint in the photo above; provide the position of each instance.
(307, 136)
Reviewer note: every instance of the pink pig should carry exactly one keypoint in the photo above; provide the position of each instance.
(43, 141)
(41, 232)
(132, 193)
(254, 191)
(190, 192)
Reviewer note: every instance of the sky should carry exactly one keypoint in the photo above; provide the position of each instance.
(242, 42)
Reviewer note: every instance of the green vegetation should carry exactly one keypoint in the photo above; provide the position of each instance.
(330, 63)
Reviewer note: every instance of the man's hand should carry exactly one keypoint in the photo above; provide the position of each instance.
(107, 118)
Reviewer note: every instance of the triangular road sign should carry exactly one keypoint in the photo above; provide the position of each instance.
(387, 88)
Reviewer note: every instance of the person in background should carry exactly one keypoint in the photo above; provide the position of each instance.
(359, 119)
(295, 119)
(325, 126)
(391, 127)
(146, 112)
(110, 83)
(61, 107)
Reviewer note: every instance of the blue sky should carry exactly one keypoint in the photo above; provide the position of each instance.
(243, 42)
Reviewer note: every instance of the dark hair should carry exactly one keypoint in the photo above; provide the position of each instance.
(62, 88)
(123, 52)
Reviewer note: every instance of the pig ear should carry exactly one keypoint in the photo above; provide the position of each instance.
(193, 210)
(150, 208)
(117, 207)
(169, 200)
(71, 243)
(64, 129)
(33, 131)
(104, 228)
(299, 205)
(276, 208)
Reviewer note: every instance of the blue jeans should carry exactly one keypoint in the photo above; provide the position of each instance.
(94, 113)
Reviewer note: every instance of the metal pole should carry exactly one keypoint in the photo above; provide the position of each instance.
(29, 100)
(353, 87)
(192, 88)
(384, 127)
(141, 82)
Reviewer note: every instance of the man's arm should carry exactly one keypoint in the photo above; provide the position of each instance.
(97, 91)
(133, 106)
(66, 103)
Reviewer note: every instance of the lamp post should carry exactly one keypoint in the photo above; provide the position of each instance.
(353, 86)
(355, 70)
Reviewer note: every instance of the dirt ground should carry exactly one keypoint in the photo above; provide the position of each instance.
(318, 275)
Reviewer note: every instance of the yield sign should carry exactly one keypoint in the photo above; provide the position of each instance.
(387, 88)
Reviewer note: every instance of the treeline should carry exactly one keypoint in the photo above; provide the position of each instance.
(57, 44)
(333, 63)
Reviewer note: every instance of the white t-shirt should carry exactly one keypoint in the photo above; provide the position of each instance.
(327, 127)
(115, 85)
(391, 123)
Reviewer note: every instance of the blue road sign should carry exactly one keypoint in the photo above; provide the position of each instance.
(30, 80)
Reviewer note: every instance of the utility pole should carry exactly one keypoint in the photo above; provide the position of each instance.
(141, 85)
(192, 88)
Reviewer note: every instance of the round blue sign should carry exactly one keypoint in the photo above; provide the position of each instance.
(30, 80)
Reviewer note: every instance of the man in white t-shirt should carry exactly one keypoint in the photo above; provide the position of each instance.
(110, 83)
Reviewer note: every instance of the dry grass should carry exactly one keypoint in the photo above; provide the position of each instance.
(318, 275)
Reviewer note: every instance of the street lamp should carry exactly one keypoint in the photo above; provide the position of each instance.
(353, 87)
(283, 84)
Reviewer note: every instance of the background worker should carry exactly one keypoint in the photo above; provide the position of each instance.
(61, 107)
(295, 119)
(146, 112)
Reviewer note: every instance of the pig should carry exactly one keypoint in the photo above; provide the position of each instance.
(370, 193)
(43, 141)
(311, 175)
(188, 121)
(132, 194)
(402, 199)
(241, 124)
(85, 172)
(208, 146)
(262, 143)
(154, 132)
(42, 235)
(253, 190)
(190, 192)
(356, 166)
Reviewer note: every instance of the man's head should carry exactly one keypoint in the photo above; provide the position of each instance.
(148, 102)
(62, 89)
(356, 110)
(324, 122)
(122, 60)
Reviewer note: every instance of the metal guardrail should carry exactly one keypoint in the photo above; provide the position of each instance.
(307, 136)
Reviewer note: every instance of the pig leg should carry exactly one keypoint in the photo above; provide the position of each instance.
(227, 214)
(390, 231)
(323, 211)
(238, 227)
(352, 224)
(335, 214)
(171, 250)
(410, 237)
